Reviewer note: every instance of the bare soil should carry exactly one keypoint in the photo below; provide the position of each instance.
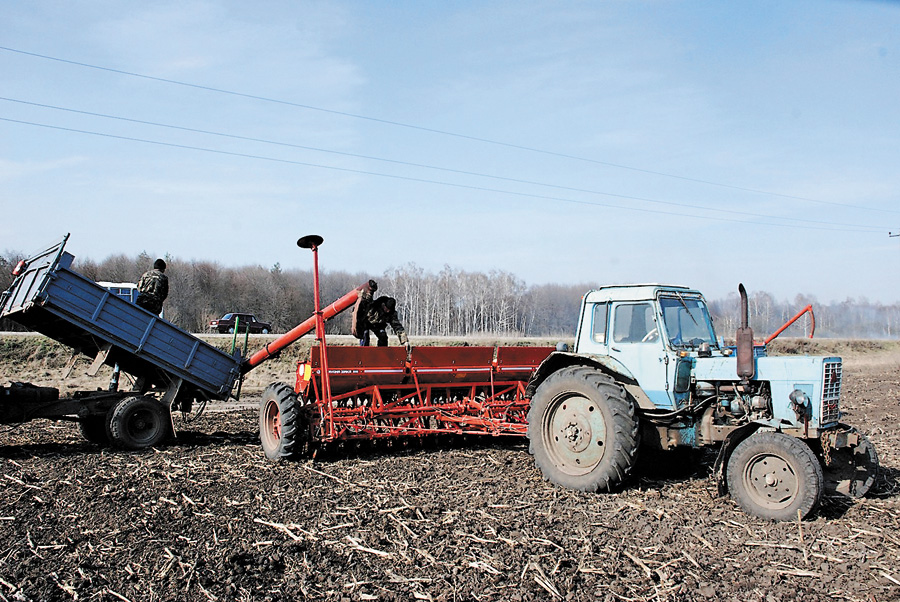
(207, 517)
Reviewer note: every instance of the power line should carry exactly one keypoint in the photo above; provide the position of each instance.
(420, 180)
(435, 131)
(432, 167)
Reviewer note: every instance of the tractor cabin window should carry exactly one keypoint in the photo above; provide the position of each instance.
(635, 323)
(598, 332)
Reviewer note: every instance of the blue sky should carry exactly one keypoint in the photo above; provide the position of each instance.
(697, 143)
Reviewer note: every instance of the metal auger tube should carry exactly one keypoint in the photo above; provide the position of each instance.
(301, 329)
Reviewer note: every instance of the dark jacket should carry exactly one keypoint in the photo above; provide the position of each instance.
(369, 314)
(153, 288)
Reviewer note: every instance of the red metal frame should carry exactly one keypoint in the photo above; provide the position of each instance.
(381, 392)
(812, 328)
(437, 390)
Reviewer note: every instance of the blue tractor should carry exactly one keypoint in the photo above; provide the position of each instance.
(648, 372)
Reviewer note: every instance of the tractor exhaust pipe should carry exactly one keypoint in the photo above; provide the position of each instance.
(744, 341)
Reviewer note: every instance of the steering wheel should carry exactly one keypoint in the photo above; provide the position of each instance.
(651, 336)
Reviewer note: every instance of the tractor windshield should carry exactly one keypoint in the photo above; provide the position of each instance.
(687, 321)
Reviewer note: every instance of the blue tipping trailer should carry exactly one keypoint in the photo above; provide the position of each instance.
(172, 369)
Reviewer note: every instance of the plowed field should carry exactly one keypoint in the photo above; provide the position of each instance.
(207, 517)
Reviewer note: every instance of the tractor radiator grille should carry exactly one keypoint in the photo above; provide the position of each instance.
(831, 393)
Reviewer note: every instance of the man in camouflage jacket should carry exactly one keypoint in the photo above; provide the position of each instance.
(375, 316)
(153, 288)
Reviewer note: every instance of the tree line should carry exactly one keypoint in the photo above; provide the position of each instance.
(451, 302)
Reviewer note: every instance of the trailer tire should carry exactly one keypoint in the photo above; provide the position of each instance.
(582, 430)
(775, 476)
(139, 423)
(95, 429)
(283, 430)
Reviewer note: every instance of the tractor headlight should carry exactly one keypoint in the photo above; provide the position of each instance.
(800, 404)
(799, 398)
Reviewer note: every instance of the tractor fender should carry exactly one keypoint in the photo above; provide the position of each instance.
(731, 441)
(562, 359)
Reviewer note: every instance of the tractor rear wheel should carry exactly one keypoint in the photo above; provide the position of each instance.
(775, 476)
(94, 429)
(582, 430)
(139, 423)
(283, 430)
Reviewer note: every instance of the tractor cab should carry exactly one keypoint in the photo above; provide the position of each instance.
(648, 333)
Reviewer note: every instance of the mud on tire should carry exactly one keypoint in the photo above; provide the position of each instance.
(283, 429)
(773, 475)
(582, 430)
(139, 423)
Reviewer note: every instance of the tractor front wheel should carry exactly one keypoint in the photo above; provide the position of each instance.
(582, 430)
(282, 429)
(775, 476)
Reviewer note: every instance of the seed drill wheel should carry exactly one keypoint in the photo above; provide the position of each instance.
(775, 476)
(282, 425)
(582, 430)
(139, 423)
(94, 429)
(851, 471)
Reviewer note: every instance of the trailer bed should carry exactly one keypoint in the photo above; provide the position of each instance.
(50, 298)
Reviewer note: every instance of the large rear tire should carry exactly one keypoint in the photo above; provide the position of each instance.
(139, 423)
(283, 431)
(775, 476)
(582, 430)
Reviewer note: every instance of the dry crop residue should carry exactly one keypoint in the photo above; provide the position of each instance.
(208, 518)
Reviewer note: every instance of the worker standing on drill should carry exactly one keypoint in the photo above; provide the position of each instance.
(375, 315)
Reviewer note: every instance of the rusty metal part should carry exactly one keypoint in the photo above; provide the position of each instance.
(746, 367)
(850, 462)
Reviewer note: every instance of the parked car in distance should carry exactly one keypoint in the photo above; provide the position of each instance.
(226, 323)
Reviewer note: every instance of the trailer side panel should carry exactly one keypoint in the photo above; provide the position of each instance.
(62, 304)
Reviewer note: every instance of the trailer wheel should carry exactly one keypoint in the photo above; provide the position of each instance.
(138, 423)
(582, 430)
(282, 429)
(94, 429)
(775, 476)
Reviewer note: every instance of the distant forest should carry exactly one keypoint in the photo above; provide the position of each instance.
(451, 302)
